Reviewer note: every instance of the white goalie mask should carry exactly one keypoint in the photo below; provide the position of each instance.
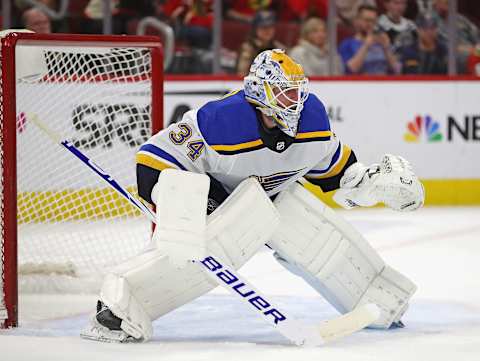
(278, 86)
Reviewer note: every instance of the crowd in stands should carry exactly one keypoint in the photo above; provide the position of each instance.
(374, 37)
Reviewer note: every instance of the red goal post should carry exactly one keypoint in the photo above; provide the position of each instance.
(107, 93)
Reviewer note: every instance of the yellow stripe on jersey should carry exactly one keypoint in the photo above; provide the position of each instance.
(149, 161)
(319, 134)
(234, 147)
(338, 167)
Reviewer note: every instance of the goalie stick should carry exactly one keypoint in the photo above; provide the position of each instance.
(297, 332)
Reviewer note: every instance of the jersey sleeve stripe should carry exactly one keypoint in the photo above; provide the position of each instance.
(149, 161)
(159, 155)
(311, 136)
(237, 148)
(337, 164)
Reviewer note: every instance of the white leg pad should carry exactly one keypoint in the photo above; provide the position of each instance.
(235, 232)
(242, 224)
(157, 285)
(118, 296)
(181, 207)
(321, 247)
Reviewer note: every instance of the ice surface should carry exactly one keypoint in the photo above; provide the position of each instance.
(439, 248)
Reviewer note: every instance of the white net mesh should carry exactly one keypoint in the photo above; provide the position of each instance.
(70, 223)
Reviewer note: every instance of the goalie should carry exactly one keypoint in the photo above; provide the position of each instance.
(243, 156)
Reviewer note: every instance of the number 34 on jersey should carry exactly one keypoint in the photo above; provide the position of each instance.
(195, 147)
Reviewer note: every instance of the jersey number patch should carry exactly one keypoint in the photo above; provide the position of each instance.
(196, 148)
(181, 136)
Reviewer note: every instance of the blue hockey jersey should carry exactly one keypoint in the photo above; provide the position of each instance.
(222, 138)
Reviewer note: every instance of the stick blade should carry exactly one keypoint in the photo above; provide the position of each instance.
(52, 134)
(349, 323)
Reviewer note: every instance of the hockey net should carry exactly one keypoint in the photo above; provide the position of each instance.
(104, 94)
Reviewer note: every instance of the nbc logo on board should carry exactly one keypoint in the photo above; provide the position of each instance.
(423, 128)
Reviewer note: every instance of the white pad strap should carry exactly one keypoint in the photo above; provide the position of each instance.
(318, 245)
(235, 231)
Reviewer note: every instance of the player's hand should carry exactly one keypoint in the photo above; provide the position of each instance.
(370, 39)
(357, 186)
(383, 39)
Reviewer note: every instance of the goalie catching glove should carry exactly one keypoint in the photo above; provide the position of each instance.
(391, 182)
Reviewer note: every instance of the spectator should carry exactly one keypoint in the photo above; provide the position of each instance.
(192, 21)
(245, 10)
(467, 33)
(123, 11)
(167, 11)
(428, 55)
(195, 22)
(347, 10)
(424, 6)
(312, 49)
(36, 20)
(399, 29)
(93, 22)
(261, 38)
(473, 64)
(369, 50)
(301, 10)
(25, 4)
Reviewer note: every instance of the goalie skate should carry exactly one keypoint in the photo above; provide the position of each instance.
(107, 331)
(97, 332)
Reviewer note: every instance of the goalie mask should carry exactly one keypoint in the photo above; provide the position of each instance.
(278, 86)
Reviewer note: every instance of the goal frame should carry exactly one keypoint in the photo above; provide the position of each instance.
(8, 107)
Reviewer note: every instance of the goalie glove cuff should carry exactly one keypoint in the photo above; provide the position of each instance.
(357, 185)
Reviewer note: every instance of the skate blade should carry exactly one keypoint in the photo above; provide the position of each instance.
(103, 334)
